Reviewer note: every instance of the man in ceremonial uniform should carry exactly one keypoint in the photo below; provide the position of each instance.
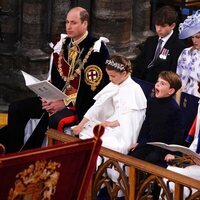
(77, 67)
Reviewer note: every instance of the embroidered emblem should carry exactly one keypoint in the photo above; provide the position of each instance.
(38, 181)
(93, 76)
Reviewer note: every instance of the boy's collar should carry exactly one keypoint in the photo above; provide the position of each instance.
(167, 37)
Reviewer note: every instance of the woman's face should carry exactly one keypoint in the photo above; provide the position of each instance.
(116, 77)
(196, 40)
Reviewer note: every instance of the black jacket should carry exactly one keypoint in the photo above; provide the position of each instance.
(175, 47)
(97, 60)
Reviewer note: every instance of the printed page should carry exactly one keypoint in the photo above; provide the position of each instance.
(29, 80)
(44, 89)
(175, 147)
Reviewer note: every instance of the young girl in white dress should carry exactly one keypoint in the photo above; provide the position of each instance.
(120, 107)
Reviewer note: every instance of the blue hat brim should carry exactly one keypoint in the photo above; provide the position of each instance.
(189, 31)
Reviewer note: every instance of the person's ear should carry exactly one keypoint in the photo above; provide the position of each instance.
(171, 91)
(173, 25)
(124, 73)
(85, 23)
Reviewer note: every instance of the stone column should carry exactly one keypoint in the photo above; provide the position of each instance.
(140, 25)
(32, 24)
(30, 55)
(113, 19)
(9, 19)
(141, 20)
(58, 17)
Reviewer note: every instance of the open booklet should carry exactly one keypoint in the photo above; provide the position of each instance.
(175, 147)
(44, 88)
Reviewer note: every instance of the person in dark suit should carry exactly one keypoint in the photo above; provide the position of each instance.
(163, 121)
(157, 56)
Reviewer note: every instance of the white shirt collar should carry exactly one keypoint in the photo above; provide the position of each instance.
(164, 39)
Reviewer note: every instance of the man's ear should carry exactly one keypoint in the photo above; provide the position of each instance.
(85, 23)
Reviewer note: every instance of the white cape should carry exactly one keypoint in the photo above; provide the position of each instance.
(127, 104)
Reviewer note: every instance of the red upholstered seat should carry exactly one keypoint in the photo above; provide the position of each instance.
(59, 172)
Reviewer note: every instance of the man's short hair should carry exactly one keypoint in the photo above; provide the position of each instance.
(84, 16)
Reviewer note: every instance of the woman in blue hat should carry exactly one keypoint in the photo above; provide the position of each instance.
(188, 66)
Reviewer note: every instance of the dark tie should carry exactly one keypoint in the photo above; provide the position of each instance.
(157, 52)
(198, 143)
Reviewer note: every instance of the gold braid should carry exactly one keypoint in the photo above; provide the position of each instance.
(77, 71)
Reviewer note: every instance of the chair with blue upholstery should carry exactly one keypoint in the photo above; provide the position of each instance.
(147, 87)
(189, 106)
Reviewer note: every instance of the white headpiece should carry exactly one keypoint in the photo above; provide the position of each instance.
(115, 65)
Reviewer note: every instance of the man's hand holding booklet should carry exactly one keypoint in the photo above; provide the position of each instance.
(43, 89)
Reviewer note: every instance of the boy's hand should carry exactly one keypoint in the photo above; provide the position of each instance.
(169, 157)
(133, 146)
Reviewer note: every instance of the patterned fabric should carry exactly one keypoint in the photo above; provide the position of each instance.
(189, 70)
(82, 63)
(58, 172)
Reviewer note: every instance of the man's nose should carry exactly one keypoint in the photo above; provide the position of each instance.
(68, 26)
